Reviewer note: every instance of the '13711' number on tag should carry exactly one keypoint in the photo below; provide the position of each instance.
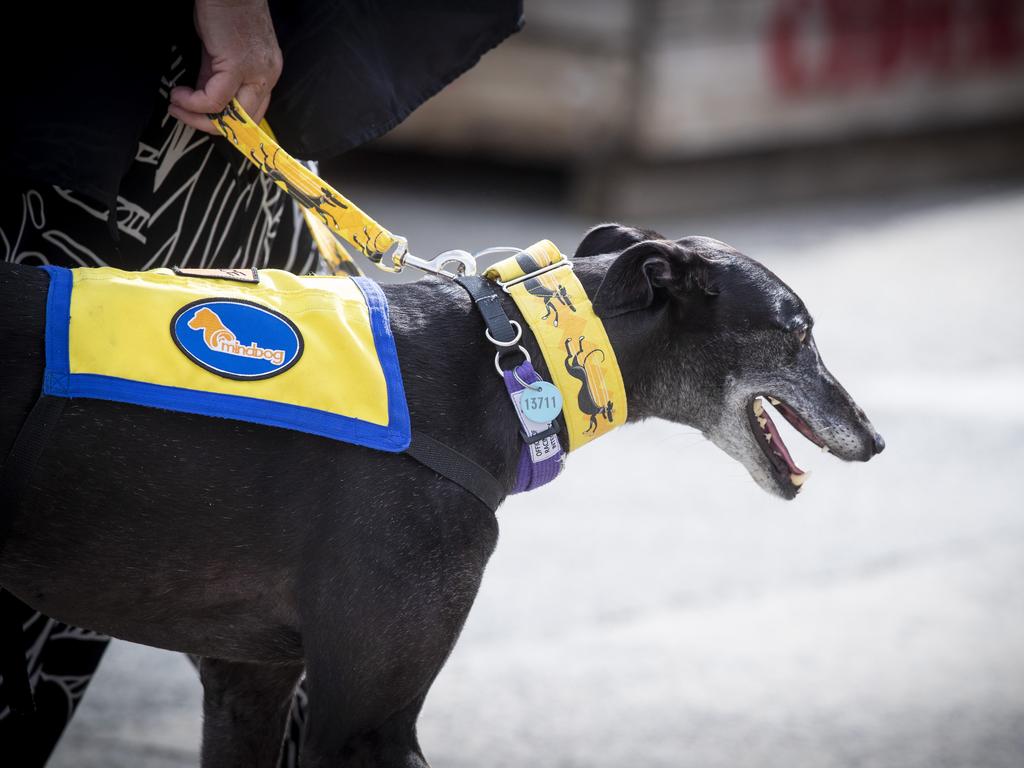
(542, 402)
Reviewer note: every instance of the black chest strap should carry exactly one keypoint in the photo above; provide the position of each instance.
(458, 468)
(443, 459)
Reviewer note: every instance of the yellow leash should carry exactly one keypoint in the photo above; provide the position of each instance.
(324, 205)
(539, 279)
(338, 260)
(320, 200)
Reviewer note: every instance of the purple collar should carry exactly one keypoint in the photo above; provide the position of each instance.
(541, 456)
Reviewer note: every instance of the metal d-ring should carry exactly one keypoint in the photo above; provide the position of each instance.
(497, 360)
(512, 343)
(531, 387)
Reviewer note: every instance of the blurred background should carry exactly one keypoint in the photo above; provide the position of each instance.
(653, 607)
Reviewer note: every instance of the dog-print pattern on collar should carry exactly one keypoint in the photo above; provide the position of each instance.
(571, 337)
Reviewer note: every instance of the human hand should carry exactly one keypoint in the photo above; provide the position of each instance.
(241, 59)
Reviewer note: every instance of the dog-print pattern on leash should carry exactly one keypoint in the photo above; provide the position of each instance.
(315, 203)
(316, 197)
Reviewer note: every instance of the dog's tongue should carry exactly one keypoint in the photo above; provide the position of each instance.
(779, 447)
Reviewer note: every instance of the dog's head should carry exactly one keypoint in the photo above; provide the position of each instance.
(724, 341)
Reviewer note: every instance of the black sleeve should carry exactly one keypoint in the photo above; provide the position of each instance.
(80, 81)
(354, 69)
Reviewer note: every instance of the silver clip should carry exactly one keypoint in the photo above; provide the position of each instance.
(466, 263)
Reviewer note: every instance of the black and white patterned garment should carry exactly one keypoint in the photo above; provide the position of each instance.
(187, 200)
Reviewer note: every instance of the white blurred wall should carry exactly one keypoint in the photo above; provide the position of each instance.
(676, 79)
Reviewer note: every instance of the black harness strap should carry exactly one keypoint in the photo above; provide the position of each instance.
(444, 460)
(488, 302)
(15, 476)
(458, 468)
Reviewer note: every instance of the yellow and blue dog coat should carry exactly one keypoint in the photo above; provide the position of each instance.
(313, 354)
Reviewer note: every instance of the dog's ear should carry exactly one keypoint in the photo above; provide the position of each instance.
(612, 238)
(634, 278)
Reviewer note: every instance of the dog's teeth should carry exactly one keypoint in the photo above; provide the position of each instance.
(824, 449)
(773, 401)
(762, 421)
(768, 436)
(758, 408)
(796, 479)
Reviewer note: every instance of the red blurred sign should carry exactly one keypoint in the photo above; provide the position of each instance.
(817, 45)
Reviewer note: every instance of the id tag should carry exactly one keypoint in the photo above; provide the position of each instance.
(543, 448)
(541, 402)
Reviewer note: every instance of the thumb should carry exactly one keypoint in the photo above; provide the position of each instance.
(212, 97)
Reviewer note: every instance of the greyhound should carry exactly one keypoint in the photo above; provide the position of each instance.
(268, 552)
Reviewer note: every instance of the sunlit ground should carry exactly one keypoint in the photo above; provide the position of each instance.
(655, 608)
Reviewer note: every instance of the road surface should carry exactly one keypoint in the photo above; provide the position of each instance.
(654, 608)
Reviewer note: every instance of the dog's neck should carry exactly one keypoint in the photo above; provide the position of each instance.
(447, 365)
(641, 341)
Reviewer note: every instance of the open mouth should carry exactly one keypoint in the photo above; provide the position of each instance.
(767, 436)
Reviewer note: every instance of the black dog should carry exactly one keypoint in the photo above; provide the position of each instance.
(267, 552)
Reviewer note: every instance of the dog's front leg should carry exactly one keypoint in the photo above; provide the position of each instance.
(392, 744)
(377, 636)
(245, 709)
(362, 706)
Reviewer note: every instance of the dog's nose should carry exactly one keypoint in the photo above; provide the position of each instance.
(879, 443)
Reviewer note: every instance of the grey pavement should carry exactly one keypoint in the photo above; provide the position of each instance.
(654, 608)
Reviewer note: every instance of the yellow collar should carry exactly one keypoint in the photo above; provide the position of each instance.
(571, 337)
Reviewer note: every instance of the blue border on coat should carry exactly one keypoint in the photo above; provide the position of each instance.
(393, 437)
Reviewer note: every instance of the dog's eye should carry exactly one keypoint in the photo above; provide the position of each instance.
(801, 335)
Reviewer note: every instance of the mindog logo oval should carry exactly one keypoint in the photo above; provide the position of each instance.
(236, 339)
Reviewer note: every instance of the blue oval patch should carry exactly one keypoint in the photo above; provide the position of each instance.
(236, 339)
